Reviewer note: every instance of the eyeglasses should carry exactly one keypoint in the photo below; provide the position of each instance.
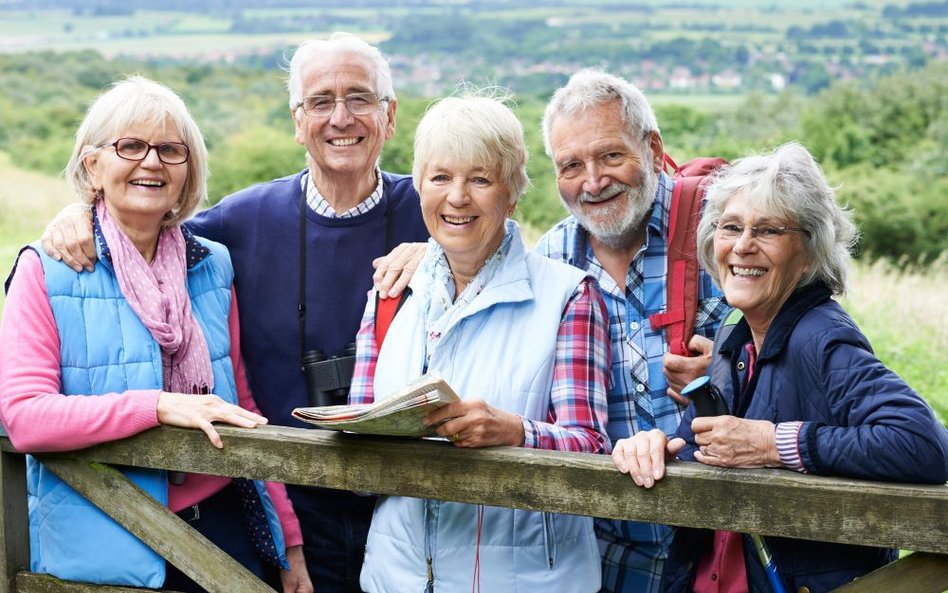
(133, 149)
(356, 104)
(764, 233)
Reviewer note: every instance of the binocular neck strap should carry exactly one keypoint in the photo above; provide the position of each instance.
(301, 303)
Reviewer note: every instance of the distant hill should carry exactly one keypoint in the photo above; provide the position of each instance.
(666, 46)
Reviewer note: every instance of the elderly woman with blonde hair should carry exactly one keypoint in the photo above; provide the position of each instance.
(521, 338)
(149, 337)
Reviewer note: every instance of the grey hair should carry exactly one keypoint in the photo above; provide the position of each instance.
(337, 43)
(787, 183)
(133, 101)
(590, 87)
(475, 128)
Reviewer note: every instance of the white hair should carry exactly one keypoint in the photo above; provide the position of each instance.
(476, 128)
(787, 183)
(337, 43)
(590, 87)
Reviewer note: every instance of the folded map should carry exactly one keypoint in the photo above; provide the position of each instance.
(398, 414)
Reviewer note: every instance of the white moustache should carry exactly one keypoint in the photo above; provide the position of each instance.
(607, 193)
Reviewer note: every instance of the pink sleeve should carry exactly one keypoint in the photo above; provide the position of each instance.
(34, 413)
(292, 532)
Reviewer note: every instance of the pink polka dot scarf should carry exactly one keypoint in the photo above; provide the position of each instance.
(158, 295)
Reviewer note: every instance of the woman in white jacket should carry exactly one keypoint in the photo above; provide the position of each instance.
(521, 338)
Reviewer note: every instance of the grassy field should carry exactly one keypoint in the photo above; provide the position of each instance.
(904, 314)
(27, 201)
(151, 33)
(905, 317)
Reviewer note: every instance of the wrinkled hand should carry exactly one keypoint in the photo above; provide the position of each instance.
(198, 411)
(642, 456)
(394, 271)
(296, 580)
(68, 238)
(728, 441)
(681, 370)
(473, 423)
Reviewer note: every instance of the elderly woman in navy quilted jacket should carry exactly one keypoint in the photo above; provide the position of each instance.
(804, 389)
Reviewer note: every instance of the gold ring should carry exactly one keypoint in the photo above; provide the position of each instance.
(456, 437)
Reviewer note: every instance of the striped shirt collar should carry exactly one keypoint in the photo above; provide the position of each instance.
(322, 207)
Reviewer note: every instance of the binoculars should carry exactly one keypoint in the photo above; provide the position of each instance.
(705, 397)
(328, 378)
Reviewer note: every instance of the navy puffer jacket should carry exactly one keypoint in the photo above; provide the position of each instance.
(860, 420)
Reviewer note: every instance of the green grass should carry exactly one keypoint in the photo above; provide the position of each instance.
(905, 316)
(27, 201)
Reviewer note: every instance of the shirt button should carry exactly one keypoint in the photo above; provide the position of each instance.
(634, 326)
(639, 387)
(714, 576)
(740, 365)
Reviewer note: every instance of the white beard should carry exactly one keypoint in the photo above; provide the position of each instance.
(616, 223)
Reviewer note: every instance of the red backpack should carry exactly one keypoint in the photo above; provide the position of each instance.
(385, 310)
(681, 285)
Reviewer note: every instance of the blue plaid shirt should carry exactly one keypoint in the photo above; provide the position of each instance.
(633, 553)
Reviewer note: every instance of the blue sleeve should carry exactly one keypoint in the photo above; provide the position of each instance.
(208, 224)
(882, 429)
(687, 453)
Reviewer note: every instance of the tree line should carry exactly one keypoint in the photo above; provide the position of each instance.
(882, 141)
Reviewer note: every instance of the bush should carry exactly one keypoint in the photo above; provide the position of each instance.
(899, 212)
(256, 154)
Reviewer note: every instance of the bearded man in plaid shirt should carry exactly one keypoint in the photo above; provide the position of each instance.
(608, 154)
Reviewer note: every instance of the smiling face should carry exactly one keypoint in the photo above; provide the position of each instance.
(605, 178)
(758, 275)
(464, 208)
(343, 147)
(138, 193)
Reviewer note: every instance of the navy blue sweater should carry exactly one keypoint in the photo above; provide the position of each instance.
(260, 227)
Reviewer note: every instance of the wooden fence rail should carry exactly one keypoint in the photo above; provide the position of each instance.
(769, 502)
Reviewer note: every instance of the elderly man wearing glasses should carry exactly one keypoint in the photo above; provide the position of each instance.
(302, 248)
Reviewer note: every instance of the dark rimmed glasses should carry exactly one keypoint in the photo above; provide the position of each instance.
(356, 104)
(135, 149)
(764, 233)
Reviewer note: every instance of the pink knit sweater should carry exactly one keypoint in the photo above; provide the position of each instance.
(40, 419)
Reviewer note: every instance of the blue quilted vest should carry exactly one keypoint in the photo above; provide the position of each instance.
(105, 348)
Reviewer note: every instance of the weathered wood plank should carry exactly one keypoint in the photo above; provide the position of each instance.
(155, 525)
(14, 522)
(28, 582)
(771, 502)
(918, 573)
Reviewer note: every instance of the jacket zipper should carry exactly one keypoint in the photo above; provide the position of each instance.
(429, 588)
(550, 538)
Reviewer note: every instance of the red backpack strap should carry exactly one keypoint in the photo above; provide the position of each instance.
(668, 162)
(385, 310)
(681, 283)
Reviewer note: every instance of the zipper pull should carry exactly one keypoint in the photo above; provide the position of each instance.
(430, 587)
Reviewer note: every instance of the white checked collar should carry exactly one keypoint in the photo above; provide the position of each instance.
(320, 206)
